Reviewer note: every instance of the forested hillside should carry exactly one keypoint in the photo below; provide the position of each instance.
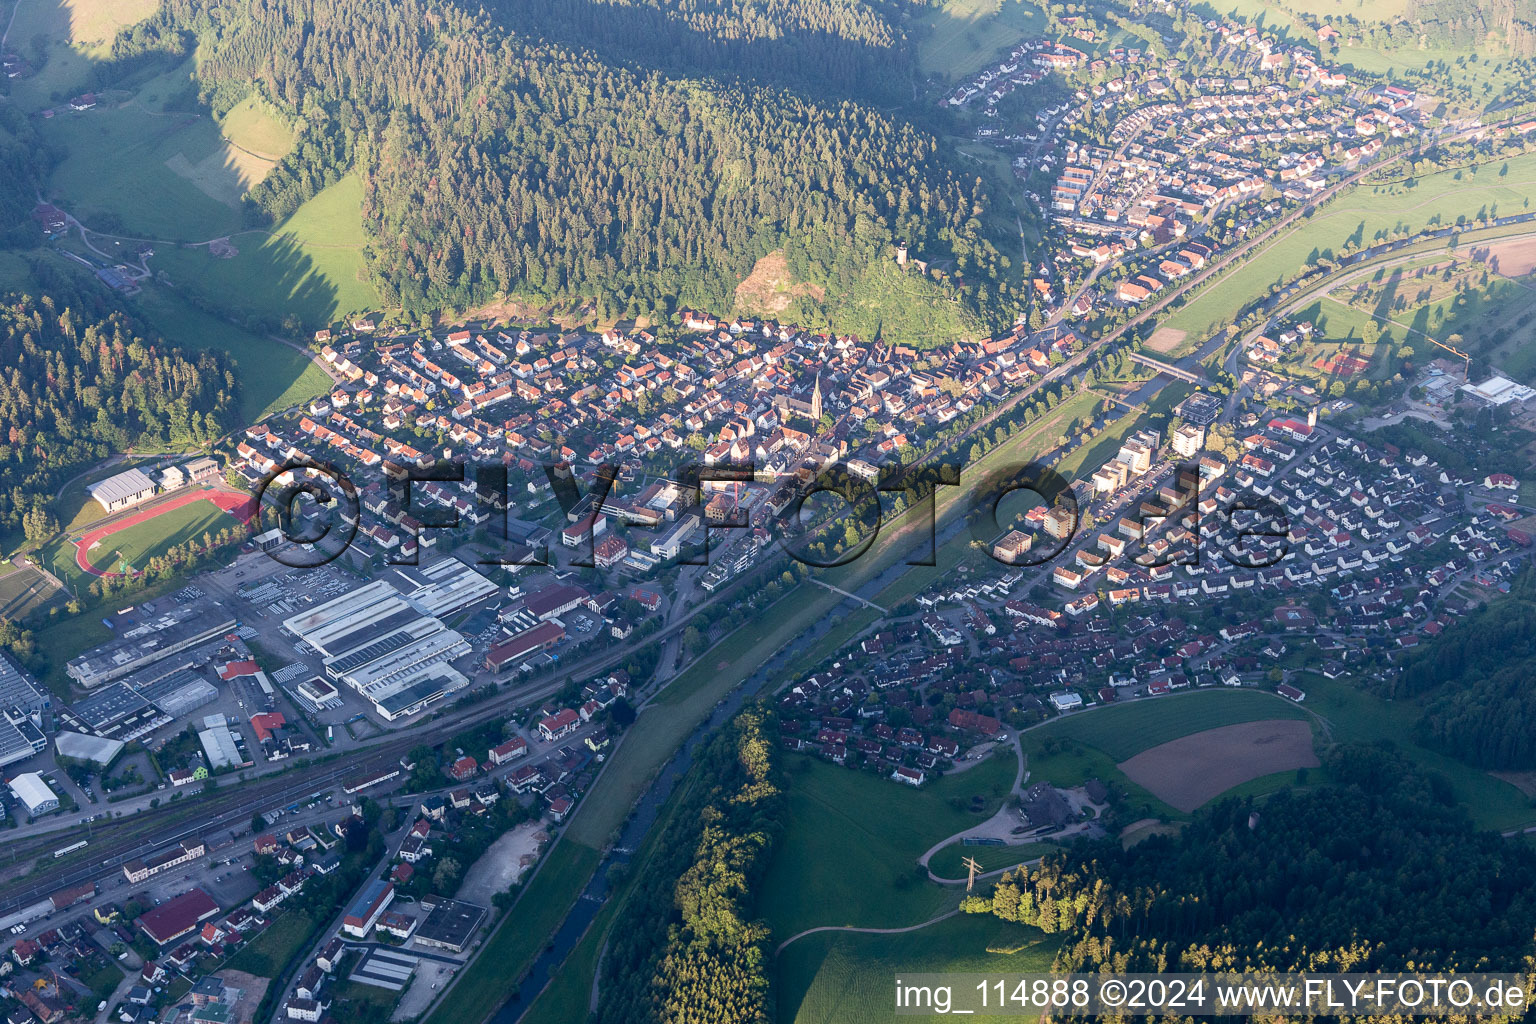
(22, 164)
(496, 161)
(1379, 871)
(80, 381)
(1479, 681)
(841, 48)
(685, 948)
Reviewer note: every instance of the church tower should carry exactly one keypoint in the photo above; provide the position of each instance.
(816, 400)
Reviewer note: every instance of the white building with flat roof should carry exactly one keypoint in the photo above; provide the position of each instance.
(1499, 391)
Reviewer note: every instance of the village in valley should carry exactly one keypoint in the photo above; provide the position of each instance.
(315, 742)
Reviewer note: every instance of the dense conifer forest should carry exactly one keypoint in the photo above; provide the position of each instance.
(643, 157)
(80, 381)
(1379, 871)
(1478, 685)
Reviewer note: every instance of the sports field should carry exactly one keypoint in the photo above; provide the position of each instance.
(848, 852)
(22, 591)
(847, 977)
(123, 546)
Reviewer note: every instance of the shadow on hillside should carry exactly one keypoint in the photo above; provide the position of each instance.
(271, 285)
(645, 38)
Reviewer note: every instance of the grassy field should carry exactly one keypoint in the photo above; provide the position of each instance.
(846, 977)
(950, 861)
(518, 940)
(354, 1001)
(95, 22)
(145, 174)
(271, 950)
(1070, 751)
(1354, 715)
(964, 35)
(66, 63)
(272, 376)
(255, 128)
(1125, 730)
(15, 273)
(133, 547)
(1365, 214)
(311, 266)
(848, 852)
(134, 167)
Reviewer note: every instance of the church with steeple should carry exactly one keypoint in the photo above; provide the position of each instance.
(790, 408)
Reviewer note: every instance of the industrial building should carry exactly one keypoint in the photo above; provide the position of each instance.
(21, 704)
(554, 600)
(150, 640)
(117, 712)
(449, 925)
(122, 490)
(444, 587)
(97, 751)
(387, 648)
(222, 745)
(21, 736)
(34, 794)
(18, 689)
(180, 693)
(514, 649)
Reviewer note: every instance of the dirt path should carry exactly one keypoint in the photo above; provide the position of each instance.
(865, 931)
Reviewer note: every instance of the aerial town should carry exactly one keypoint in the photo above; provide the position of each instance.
(519, 627)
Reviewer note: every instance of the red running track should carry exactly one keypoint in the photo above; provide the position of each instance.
(237, 505)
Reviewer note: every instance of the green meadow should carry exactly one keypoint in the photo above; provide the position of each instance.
(1363, 215)
(310, 266)
(849, 977)
(848, 852)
